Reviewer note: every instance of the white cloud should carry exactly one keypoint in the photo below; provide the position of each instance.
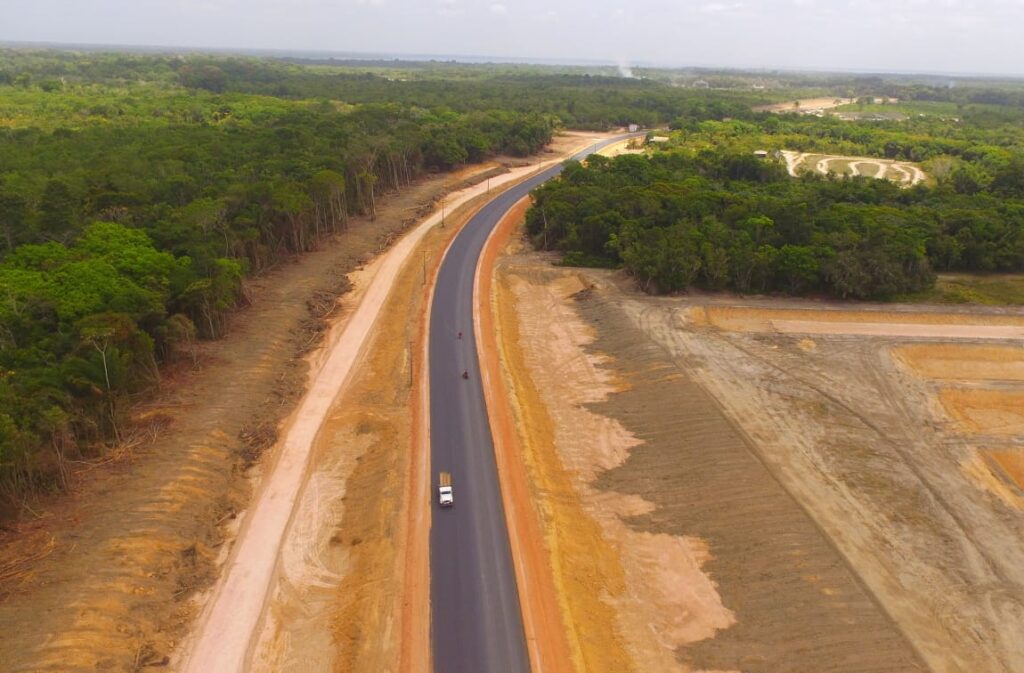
(499, 9)
(449, 8)
(720, 7)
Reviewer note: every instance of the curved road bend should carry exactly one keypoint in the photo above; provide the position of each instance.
(475, 616)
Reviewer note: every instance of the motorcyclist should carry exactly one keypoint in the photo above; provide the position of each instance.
(465, 374)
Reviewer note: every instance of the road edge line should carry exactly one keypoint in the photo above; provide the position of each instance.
(548, 648)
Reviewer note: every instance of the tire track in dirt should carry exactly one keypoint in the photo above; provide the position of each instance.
(951, 581)
(798, 606)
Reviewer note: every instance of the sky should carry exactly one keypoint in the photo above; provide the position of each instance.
(931, 36)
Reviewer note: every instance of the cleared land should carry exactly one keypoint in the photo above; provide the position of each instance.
(722, 495)
(904, 173)
(805, 106)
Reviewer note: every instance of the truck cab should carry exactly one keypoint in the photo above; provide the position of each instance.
(445, 497)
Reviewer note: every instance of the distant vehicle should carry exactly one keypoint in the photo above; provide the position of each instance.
(445, 498)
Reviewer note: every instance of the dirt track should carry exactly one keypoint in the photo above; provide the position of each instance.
(840, 518)
(903, 173)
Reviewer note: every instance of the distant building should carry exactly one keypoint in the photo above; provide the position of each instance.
(701, 84)
(761, 154)
(658, 139)
(633, 128)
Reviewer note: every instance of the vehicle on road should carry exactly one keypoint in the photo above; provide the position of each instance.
(445, 497)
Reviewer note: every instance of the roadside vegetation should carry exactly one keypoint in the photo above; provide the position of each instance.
(986, 290)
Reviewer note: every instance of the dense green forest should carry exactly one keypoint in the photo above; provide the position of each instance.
(720, 218)
(133, 202)
(592, 99)
(703, 211)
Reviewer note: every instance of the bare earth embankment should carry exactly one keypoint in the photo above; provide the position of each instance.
(721, 494)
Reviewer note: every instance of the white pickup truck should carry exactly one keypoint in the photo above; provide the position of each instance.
(444, 490)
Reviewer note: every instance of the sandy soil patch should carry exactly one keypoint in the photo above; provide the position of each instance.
(933, 331)
(986, 411)
(990, 415)
(964, 362)
(991, 478)
(660, 596)
(1011, 462)
(805, 106)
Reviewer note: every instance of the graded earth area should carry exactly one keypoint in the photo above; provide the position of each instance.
(720, 494)
(903, 173)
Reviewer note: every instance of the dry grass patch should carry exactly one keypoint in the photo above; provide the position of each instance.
(985, 411)
(964, 362)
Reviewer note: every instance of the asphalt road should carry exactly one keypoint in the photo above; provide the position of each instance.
(475, 616)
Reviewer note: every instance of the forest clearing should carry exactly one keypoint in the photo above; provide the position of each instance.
(805, 106)
(902, 173)
(876, 474)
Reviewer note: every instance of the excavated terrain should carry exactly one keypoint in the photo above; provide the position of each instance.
(845, 498)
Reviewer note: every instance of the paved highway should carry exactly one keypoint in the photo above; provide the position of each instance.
(475, 616)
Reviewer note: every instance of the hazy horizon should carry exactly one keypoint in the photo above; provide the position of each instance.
(955, 37)
(476, 59)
